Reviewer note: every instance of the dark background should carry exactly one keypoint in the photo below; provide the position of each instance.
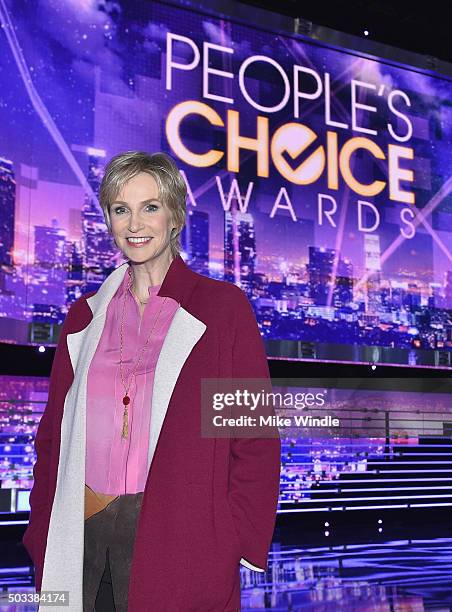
(422, 27)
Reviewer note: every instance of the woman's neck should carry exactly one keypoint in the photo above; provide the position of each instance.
(144, 276)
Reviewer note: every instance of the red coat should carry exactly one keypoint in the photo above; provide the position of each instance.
(209, 503)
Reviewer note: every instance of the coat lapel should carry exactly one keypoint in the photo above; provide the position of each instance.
(183, 333)
(91, 333)
(63, 564)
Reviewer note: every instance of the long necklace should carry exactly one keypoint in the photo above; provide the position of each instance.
(126, 398)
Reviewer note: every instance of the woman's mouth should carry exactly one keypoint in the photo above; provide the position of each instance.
(138, 242)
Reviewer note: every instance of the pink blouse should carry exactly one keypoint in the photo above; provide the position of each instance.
(116, 465)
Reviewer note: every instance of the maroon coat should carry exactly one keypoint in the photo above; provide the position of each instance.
(209, 503)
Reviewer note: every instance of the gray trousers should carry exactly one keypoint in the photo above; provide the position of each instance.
(109, 540)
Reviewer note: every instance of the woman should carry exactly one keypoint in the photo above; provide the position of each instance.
(127, 492)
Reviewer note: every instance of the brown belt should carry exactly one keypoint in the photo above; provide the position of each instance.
(95, 502)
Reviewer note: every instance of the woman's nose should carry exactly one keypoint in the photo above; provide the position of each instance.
(135, 223)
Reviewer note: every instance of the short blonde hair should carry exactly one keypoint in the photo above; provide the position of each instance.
(171, 185)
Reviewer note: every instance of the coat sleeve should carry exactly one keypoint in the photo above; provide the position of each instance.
(61, 377)
(254, 473)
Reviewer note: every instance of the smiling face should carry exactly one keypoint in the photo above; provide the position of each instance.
(137, 213)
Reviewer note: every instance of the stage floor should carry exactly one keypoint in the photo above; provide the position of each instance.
(394, 575)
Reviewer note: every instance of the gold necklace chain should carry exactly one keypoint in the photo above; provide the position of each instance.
(126, 398)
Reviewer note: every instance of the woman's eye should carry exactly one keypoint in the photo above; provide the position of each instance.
(119, 210)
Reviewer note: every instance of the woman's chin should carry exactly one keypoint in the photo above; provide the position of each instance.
(142, 255)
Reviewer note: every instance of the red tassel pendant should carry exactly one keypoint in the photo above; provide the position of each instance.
(125, 417)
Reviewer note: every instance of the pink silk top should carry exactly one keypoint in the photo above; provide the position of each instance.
(116, 465)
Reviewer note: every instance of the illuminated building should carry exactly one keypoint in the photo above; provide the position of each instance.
(7, 204)
(98, 247)
(373, 270)
(195, 241)
(320, 269)
(239, 249)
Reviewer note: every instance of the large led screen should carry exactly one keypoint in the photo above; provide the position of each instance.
(318, 178)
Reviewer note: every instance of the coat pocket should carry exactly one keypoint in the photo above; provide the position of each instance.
(213, 549)
(233, 529)
(213, 522)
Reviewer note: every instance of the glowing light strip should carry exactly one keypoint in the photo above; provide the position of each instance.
(373, 498)
(374, 461)
(389, 471)
(8, 570)
(352, 448)
(356, 362)
(328, 509)
(429, 505)
(416, 454)
(395, 453)
(370, 480)
(311, 490)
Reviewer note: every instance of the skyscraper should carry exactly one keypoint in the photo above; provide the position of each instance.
(50, 246)
(320, 270)
(75, 224)
(7, 211)
(195, 240)
(448, 289)
(372, 265)
(49, 270)
(239, 248)
(98, 247)
(343, 289)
